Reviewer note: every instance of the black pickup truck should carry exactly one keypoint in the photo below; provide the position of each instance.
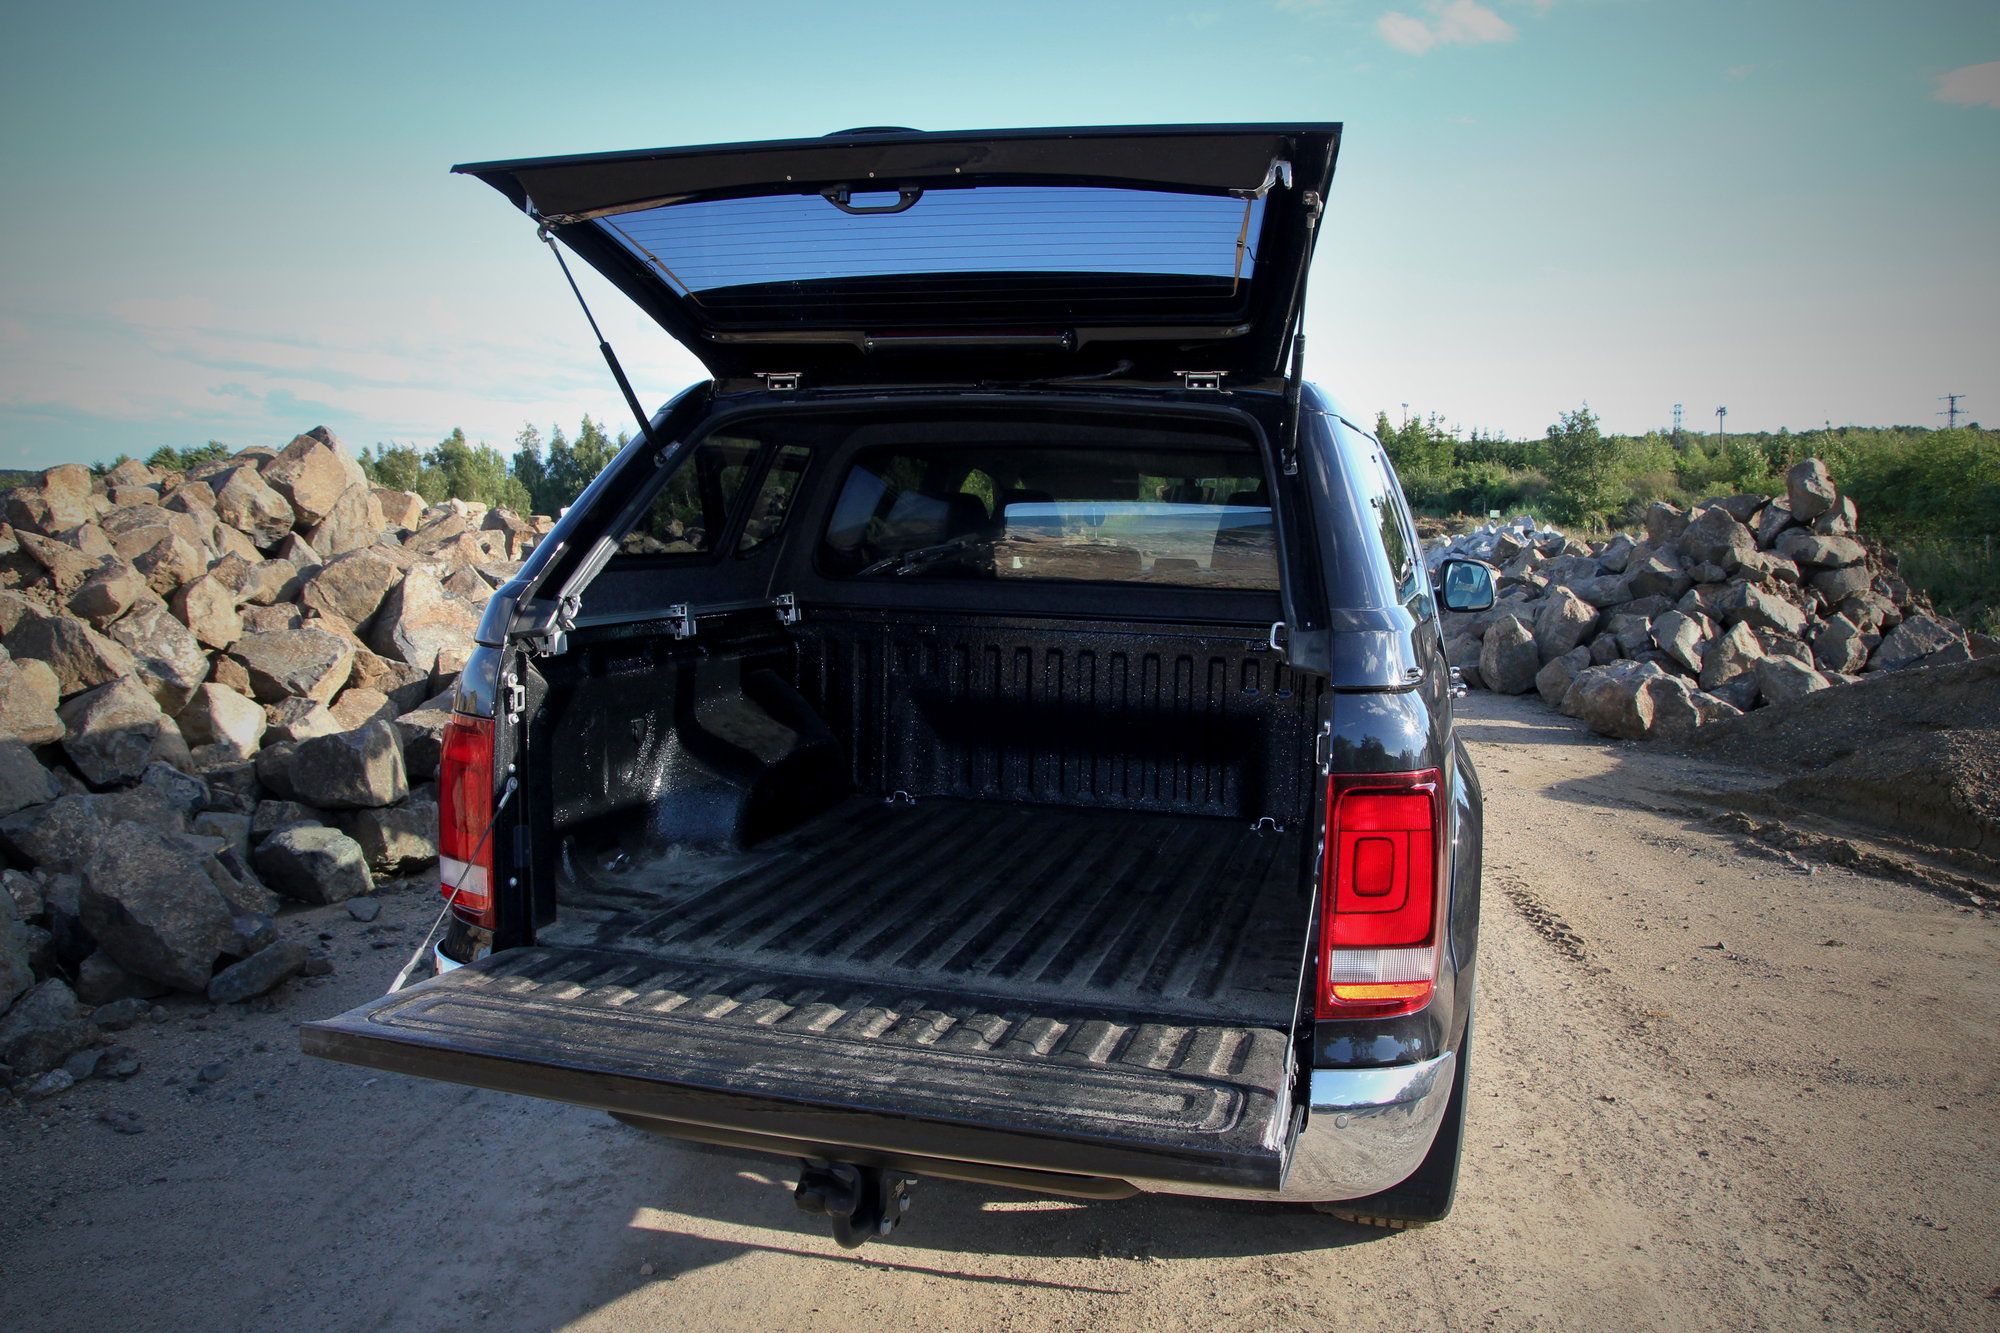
(997, 728)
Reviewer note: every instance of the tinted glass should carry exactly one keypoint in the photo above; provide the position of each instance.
(1393, 528)
(774, 497)
(1188, 518)
(998, 229)
(697, 502)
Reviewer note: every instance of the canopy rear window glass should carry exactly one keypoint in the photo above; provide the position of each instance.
(1197, 518)
(702, 246)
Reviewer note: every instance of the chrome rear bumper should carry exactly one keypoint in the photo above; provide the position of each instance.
(1365, 1130)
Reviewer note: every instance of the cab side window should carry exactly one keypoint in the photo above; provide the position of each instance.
(1393, 526)
(694, 508)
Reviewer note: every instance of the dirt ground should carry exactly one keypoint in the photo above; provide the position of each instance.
(1719, 1086)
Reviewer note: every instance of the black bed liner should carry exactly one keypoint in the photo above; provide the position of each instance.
(1168, 915)
(1092, 992)
(837, 1065)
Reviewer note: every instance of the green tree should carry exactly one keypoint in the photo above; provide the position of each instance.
(1582, 467)
(399, 467)
(170, 459)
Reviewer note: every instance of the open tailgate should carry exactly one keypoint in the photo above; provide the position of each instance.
(831, 1063)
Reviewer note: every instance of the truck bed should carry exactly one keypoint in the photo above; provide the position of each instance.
(1153, 915)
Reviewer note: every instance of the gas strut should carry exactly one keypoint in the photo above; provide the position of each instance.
(604, 347)
(864, 1203)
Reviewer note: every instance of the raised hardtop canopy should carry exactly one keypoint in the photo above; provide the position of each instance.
(895, 256)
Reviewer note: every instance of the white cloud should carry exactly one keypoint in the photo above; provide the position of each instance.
(1971, 85)
(1738, 73)
(1458, 23)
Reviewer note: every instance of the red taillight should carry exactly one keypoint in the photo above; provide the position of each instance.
(1379, 894)
(465, 818)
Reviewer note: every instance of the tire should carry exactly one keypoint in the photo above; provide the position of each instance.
(1427, 1195)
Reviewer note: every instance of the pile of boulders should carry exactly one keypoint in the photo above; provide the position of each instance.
(221, 691)
(1741, 601)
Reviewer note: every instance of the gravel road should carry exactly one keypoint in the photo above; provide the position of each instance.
(1714, 1090)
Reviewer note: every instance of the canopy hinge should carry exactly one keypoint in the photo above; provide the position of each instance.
(1207, 381)
(788, 608)
(779, 381)
(548, 634)
(680, 621)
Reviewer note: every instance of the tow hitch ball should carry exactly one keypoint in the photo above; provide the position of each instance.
(863, 1202)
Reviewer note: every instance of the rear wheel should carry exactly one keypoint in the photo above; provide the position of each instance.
(1426, 1196)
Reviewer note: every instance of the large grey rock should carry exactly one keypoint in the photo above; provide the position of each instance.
(100, 981)
(108, 593)
(1552, 682)
(81, 658)
(357, 707)
(406, 686)
(1743, 508)
(1765, 567)
(1915, 639)
(351, 586)
(115, 730)
(1809, 490)
(1810, 548)
(400, 509)
(300, 720)
(218, 715)
(1630, 630)
(1609, 700)
(1744, 603)
(397, 839)
(1508, 659)
(164, 652)
(1562, 622)
(354, 522)
(1837, 585)
(207, 606)
(351, 770)
(419, 621)
(313, 864)
(17, 968)
(1773, 521)
(1838, 521)
(1675, 707)
(42, 1029)
(312, 474)
(26, 714)
(1840, 646)
(1664, 523)
(1651, 575)
(23, 780)
(1683, 638)
(271, 581)
(1783, 678)
(422, 730)
(149, 901)
(258, 974)
(307, 663)
(61, 499)
(1716, 537)
(247, 503)
(1605, 591)
(1617, 553)
(1732, 653)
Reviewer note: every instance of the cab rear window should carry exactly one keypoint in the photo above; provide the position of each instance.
(1196, 518)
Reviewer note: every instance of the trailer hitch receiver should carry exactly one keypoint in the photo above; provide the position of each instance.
(864, 1203)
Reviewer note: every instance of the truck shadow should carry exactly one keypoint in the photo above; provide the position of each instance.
(955, 1218)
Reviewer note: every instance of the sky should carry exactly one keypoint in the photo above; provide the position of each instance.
(236, 222)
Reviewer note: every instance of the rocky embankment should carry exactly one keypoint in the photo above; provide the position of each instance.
(222, 697)
(1742, 601)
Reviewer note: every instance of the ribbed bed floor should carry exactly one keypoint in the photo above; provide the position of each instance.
(1164, 914)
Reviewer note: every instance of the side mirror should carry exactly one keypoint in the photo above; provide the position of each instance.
(1465, 585)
